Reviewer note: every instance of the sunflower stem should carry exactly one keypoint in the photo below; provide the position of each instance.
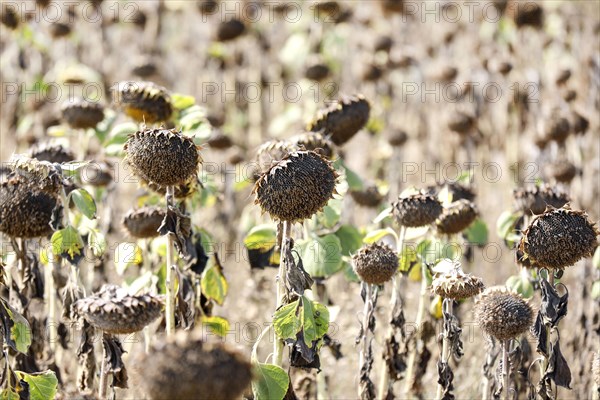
(281, 278)
(412, 358)
(505, 370)
(50, 294)
(170, 283)
(321, 377)
(365, 326)
(395, 301)
(448, 305)
(103, 386)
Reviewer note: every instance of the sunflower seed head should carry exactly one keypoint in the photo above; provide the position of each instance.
(416, 210)
(82, 114)
(314, 141)
(25, 209)
(52, 153)
(144, 101)
(143, 223)
(113, 311)
(456, 284)
(162, 157)
(456, 217)
(559, 238)
(534, 200)
(297, 187)
(342, 119)
(375, 264)
(185, 367)
(503, 314)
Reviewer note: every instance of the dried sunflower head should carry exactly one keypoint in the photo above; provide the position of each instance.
(113, 311)
(503, 314)
(163, 157)
(375, 264)
(26, 210)
(314, 141)
(82, 114)
(297, 187)
(144, 101)
(143, 223)
(368, 197)
(52, 153)
(271, 152)
(230, 30)
(559, 238)
(317, 71)
(98, 173)
(558, 128)
(456, 217)
(342, 119)
(461, 122)
(416, 210)
(534, 200)
(455, 284)
(185, 367)
(456, 189)
(562, 170)
(527, 13)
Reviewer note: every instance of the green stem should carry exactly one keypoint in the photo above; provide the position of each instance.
(170, 281)
(281, 278)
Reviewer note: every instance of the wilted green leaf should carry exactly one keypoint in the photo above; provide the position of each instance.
(350, 239)
(521, 285)
(354, 181)
(596, 290)
(57, 131)
(506, 224)
(42, 385)
(181, 101)
(321, 255)
(330, 215)
(287, 321)
(68, 241)
(20, 332)
(407, 259)
(72, 168)
(213, 283)
(218, 325)
(315, 320)
(271, 382)
(477, 233)
(84, 202)
(7, 394)
(192, 117)
(261, 237)
(119, 134)
(97, 242)
(376, 235)
(383, 215)
(435, 307)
